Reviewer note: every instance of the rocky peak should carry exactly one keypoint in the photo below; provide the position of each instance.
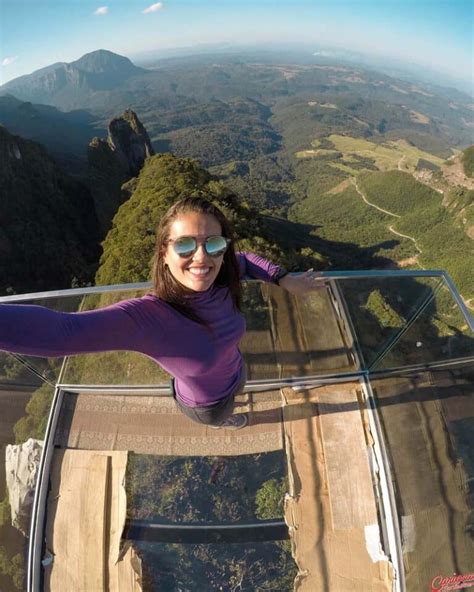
(114, 161)
(130, 142)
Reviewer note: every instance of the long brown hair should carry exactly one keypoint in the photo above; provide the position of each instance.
(166, 287)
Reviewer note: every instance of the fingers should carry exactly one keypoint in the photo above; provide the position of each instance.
(316, 280)
(313, 274)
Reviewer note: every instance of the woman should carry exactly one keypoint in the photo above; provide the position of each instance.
(191, 325)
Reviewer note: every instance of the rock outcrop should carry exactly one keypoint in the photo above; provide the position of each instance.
(130, 142)
(114, 161)
(21, 467)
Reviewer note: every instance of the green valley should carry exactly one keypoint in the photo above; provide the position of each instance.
(321, 151)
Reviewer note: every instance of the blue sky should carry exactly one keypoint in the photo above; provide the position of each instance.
(35, 33)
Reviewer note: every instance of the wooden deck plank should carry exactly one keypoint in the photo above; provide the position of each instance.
(76, 535)
(345, 451)
(329, 544)
(86, 515)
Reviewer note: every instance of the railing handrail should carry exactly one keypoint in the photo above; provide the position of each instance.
(75, 292)
(330, 275)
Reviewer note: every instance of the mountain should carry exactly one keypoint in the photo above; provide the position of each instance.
(73, 82)
(49, 233)
(130, 142)
(106, 63)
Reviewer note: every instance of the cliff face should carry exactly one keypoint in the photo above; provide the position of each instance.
(49, 233)
(114, 161)
(130, 142)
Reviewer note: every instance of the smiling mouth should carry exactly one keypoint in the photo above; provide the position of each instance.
(199, 272)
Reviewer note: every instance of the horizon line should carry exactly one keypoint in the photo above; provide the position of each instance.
(389, 62)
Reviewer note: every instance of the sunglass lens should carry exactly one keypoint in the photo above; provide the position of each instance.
(185, 246)
(216, 245)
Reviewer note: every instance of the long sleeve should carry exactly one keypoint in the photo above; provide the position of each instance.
(39, 331)
(257, 267)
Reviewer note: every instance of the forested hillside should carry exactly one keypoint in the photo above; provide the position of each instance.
(49, 233)
(64, 135)
(129, 246)
(468, 161)
(420, 213)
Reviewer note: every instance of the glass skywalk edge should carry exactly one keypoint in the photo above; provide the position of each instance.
(396, 338)
(80, 372)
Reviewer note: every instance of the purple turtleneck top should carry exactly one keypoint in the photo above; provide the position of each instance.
(207, 365)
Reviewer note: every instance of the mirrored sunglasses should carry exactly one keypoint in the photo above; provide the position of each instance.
(186, 246)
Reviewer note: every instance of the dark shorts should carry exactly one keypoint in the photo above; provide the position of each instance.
(213, 414)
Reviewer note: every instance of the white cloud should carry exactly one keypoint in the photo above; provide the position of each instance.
(9, 60)
(102, 10)
(153, 8)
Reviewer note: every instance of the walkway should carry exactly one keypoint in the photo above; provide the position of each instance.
(301, 338)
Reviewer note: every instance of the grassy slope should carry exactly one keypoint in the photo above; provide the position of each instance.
(386, 156)
(423, 216)
(345, 218)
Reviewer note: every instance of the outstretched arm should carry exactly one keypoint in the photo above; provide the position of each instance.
(39, 331)
(257, 267)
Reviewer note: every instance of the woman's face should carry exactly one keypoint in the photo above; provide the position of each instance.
(198, 271)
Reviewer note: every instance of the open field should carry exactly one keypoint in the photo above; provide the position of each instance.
(419, 117)
(392, 155)
(317, 152)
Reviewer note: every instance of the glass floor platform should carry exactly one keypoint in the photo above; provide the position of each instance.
(355, 472)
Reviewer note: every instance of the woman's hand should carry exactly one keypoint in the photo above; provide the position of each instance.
(302, 283)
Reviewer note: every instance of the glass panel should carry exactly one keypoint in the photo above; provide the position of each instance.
(439, 333)
(24, 412)
(257, 346)
(290, 336)
(286, 337)
(13, 372)
(428, 427)
(112, 368)
(181, 489)
(219, 489)
(245, 567)
(382, 309)
(103, 368)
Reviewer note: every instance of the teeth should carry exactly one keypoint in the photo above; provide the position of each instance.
(199, 271)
